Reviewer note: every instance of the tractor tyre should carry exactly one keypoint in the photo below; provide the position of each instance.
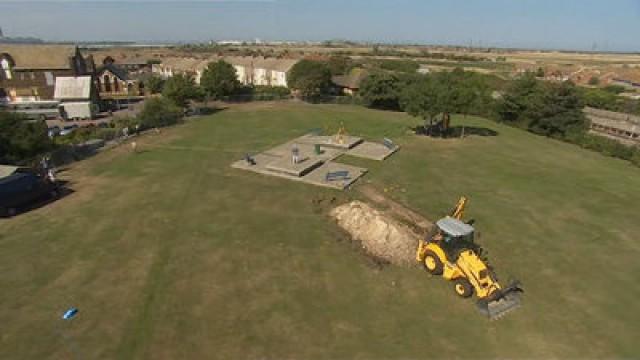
(462, 287)
(432, 263)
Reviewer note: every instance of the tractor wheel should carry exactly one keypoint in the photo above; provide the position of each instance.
(433, 263)
(462, 287)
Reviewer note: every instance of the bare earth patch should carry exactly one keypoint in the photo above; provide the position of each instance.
(381, 236)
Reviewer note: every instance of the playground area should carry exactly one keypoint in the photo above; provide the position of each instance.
(311, 159)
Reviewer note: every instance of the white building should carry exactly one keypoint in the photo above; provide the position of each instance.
(76, 95)
(257, 71)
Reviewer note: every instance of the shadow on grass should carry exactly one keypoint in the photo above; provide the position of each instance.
(456, 131)
(62, 191)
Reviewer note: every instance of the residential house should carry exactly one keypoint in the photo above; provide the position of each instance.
(349, 84)
(29, 72)
(257, 71)
(130, 64)
(114, 82)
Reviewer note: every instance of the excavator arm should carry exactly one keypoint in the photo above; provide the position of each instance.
(458, 211)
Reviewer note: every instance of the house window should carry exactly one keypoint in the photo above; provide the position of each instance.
(115, 85)
(49, 78)
(107, 83)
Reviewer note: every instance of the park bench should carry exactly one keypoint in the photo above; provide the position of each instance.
(337, 175)
(389, 144)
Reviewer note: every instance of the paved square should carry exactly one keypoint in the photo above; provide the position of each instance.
(373, 151)
(317, 165)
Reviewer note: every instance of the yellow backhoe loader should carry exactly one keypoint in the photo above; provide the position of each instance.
(449, 250)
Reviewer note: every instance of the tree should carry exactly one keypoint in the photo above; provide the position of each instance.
(159, 112)
(180, 89)
(421, 98)
(219, 79)
(20, 139)
(444, 93)
(594, 80)
(520, 99)
(310, 78)
(548, 109)
(154, 84)
(560, 113)
(381, 91)
(540, 72)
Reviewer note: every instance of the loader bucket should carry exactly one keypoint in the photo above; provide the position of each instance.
(501, 303)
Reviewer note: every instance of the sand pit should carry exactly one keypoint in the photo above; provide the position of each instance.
(380, 235)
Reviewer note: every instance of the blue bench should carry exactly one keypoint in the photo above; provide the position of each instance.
(337, 175)
(389, 144)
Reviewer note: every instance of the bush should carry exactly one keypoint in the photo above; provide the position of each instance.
(159, 112)
(20, 139)
(180, 89)
(614, 89)
(120, 123)
(271, 90)
(404, 66)
(106, 134)
(78, 136)
(603, 145)
(310, 78)
(381, 91)
(154, 84)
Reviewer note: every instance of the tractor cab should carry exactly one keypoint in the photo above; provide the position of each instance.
(454, 236)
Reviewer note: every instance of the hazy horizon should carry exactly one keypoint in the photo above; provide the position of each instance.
(533, 24)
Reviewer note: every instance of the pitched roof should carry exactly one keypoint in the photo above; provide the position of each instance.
(351, 80)
(72, 87)
(39, 56)
(115, 70)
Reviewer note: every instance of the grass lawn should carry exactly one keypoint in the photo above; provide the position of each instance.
(172, 254)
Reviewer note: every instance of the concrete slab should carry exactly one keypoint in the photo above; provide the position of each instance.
(331, 141)
(305, 149)
(316, 177)
(371, 150)
(319, 175)
(286, 166)
(262, 160)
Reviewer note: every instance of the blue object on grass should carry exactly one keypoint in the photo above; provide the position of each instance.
(69, 314)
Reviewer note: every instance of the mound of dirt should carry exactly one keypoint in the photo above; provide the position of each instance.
(380, 235)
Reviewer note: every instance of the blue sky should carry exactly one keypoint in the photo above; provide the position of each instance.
(612, 25)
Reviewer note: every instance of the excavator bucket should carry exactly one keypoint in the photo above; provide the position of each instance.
(501, 302)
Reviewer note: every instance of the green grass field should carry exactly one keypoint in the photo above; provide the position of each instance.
(172, 254)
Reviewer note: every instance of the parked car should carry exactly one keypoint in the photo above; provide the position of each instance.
(23, 188)
(68, 129)
(54, 131)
